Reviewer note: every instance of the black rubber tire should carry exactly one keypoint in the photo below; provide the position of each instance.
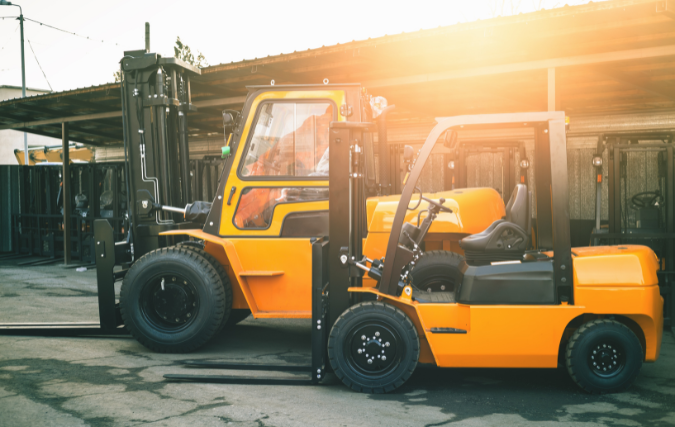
(205, 283)
(345, 335)
(225, 279)
(237, 315)
(592, 336)
(437, 271)
(199, 244)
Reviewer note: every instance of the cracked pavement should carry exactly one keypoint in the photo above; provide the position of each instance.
(118, 382)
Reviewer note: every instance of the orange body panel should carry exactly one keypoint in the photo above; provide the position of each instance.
(607, 281)
(473, 210)
(272, 277)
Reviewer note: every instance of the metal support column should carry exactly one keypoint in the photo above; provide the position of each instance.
(551, 89)
(542, 176)
(670, 228)
(66, 193)
(339, 217)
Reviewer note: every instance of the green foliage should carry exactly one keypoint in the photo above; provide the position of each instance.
(118, 76)
(183, 52)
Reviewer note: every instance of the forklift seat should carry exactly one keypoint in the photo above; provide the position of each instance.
(505, 239)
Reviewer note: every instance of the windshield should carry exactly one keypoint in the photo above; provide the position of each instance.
(290, 139)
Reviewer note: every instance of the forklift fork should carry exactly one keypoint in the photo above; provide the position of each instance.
(110, 319)
(316, 370)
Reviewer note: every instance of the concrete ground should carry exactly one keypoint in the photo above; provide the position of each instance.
(116, 381)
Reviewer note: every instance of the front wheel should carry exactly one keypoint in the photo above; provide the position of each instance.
(172, 300)
(604, 356)
(373, 347)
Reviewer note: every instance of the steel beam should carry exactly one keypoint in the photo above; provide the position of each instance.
(665, 91)
(220, 102)
(83, 117)
(622, 55)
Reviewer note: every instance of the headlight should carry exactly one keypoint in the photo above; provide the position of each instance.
(524, 164)
(597, 161)
(451, 165)
(378, 103)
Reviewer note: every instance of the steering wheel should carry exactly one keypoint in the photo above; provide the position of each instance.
(642, 200)
(438, 204)
(431, 202)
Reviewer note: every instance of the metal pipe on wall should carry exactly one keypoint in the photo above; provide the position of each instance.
(66, 194)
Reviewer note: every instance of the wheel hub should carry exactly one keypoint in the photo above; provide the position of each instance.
(606, 359)
(172, 301)
(373, 348)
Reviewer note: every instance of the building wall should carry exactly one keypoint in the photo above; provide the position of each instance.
(11, 140)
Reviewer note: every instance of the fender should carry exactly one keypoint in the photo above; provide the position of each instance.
(225, 252)
(405, 304)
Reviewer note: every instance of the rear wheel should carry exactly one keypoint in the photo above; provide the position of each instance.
(437, 271)
(373, 347)
(172, 300)
(604, 356)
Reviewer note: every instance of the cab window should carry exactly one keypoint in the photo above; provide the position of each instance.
(256, 206)
(290, 139)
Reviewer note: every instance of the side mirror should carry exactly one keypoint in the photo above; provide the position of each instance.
(408, 153)
(229, 121)
(450, 139)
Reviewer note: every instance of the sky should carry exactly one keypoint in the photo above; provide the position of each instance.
(223, 31)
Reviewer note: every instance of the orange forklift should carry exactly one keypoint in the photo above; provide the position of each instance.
(514, 304)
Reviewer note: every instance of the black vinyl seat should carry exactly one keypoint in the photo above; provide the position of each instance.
(505, 239)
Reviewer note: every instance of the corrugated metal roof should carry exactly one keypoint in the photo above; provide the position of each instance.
(521, 18)
(71, 92)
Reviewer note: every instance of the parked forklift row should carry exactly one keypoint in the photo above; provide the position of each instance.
(292, 233)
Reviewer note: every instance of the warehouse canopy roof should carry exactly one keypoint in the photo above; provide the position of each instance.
(614, 56)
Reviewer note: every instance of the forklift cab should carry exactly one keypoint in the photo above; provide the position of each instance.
(275, 180)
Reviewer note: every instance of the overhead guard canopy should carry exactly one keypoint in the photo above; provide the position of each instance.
(552, 194)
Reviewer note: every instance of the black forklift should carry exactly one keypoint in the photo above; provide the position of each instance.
(641, 199)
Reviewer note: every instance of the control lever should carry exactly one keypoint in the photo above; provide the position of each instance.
(375, 271)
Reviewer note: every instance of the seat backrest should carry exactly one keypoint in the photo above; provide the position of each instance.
(518, 207)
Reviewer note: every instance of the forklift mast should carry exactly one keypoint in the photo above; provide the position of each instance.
(156, 101)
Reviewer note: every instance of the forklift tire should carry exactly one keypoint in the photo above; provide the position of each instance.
(227, 285)
(199, 244)
(604, 356)
(195, 311)
(437, 271)
(373, 347)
